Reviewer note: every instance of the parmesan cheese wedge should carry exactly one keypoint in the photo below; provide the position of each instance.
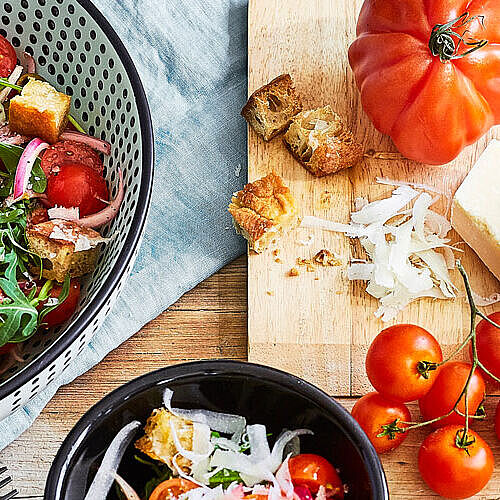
(476, 208)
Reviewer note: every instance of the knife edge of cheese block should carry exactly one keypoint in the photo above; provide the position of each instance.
(476, 208)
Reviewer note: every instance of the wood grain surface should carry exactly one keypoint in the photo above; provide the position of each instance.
(208, 322)
(319, 325)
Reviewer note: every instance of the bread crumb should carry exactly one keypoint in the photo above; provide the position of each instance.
(237, 170)
(323, 258)
(276, 252)
(278, 260)
(293, 272)
(325, 200)
(270, 293)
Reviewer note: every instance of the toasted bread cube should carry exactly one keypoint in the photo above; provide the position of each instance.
(158, 442)
(321, 142)
(263, 211)
(64, 247)
(270, 109)
(39, 111)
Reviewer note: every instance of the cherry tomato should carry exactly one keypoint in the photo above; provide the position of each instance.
(488, 345)
(8, 58)
(497, 421)
(77, 185)
(172, 489)
(444, 393)
(393, 360)
(452, 471)
(63, 312)
(313, 471)
(373, 411)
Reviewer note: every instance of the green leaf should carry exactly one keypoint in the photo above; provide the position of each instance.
(62, 297)
(10, 155)
(224, 477)
(19, 319)
(161, 473)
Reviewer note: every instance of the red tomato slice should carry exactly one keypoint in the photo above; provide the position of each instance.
(64, 151)
(8, 58)
(172, 489)
(313, 471)
(63, 312)
(77, 185)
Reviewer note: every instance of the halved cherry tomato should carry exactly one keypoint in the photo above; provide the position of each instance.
(63, 312)
(488, 345)
(8, 58)
(77, 185)
(313, 471)
(452, 471)
(172, 489)
(392, 362)
(446, 390)
(373, 411)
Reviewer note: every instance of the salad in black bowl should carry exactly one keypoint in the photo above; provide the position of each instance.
(217, 430)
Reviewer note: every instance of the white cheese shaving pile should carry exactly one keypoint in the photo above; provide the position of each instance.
(401, 244)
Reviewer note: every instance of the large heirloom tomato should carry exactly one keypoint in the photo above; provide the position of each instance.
(428, 72)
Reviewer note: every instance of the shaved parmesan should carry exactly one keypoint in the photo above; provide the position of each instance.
(401, 242)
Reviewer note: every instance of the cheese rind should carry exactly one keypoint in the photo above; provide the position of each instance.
(476, 208)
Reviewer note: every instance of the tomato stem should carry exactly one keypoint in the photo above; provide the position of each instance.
(443, 40)
(463, 440)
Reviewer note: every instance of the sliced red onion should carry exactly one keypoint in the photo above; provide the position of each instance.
(106, 214)
(64, 213)
(303, 493)
(25, 165)
(14, 76)
(93, 142)
(105, 476)
(233, 425)
(30, 63)
(127, 490)
(284, 479)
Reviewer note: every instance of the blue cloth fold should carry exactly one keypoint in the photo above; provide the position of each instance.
(191, 56)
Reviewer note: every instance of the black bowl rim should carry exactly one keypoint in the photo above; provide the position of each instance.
(136, 228)
(218, 367)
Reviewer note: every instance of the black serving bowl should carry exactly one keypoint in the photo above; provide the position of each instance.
(261, 394)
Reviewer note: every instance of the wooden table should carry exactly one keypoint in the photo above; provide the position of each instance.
(208, 322)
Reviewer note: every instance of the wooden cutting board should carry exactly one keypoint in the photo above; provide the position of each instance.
(318, 325)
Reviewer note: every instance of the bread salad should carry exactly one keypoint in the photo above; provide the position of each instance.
(53, 197)
(204, 455)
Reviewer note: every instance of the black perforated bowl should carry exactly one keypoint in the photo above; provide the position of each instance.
(78, 52)
(261, 394)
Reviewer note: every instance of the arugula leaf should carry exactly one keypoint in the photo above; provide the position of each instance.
(225, 477)
(10, 154)
(162, 473)
(19, 318)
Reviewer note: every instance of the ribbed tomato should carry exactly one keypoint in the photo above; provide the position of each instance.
(417, 80)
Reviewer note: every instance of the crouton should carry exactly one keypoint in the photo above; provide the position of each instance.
(39, 111)
(321, 142)
(270, 109)
(158, 442)
(263, 211)
(64, 247)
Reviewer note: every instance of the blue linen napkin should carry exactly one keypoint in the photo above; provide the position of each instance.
(191, 56)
